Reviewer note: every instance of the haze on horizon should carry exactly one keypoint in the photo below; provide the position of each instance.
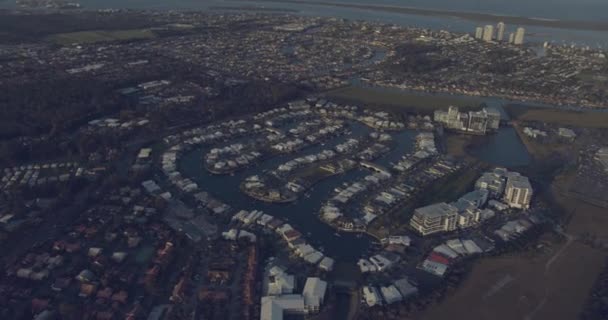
(586, 10)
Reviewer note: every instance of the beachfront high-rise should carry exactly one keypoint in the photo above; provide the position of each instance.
(519, 36)
(478, 33)
(488, 33)
(500, 31)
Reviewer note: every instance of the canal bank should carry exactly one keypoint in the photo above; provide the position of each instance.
(302, 213)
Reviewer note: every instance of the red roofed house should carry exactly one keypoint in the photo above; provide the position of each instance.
(436, 257)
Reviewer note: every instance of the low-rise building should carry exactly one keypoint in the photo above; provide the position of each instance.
(566, 133)
(436, 268)
(274, 307)
(602, 157)
(405, 288)
(372, 296)
(279, 282)
(327, 264)
(314, 294)
(391, 294)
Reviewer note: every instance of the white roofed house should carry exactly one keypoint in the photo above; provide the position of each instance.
(280, 282)
(435, 268)
(391, 294)
(304, 250)
(366, 266)
(273, 307)
(371, 296)
(327, 264)
(457, 246)
(405, 288)
(471, 247)
(602, 157)
(381, 262)
(314, 257)
(402, 240)
(566, 133)
(314, 294)
(144, 154)
(446, 251)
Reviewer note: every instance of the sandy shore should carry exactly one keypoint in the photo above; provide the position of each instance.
(472, 16)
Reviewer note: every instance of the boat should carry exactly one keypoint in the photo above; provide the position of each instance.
(337, 234)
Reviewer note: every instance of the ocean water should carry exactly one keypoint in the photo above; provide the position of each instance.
(596, 10)
(587, 10)
(548, 9)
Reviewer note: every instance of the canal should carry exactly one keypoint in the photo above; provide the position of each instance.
(504, 149)
(302, 214)
(501, 149)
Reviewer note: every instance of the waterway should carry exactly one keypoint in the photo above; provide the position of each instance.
(301, 214)
(504, 149)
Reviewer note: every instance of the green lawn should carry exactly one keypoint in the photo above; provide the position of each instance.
(393, 100)
(589, 119)
(100, 36)
(452, 187)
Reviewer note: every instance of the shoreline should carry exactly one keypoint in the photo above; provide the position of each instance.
(252, 8)
(471, 16)
(531, 102)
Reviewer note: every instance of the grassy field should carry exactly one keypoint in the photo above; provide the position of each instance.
(312, 174)
(399, 101)
(456, 145)
(553, 284)
(100, 36)
(560, 117)
(582, 217)
(454, 186)
(540, 150)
